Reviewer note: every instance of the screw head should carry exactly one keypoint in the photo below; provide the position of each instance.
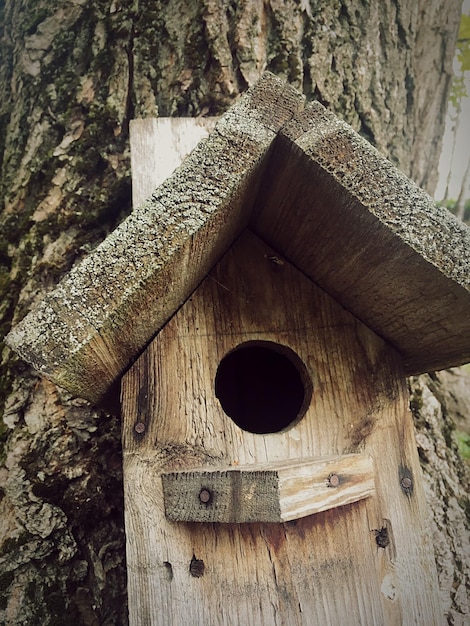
(139, 427)
(205, 496)
(333, 480)
(406, 483)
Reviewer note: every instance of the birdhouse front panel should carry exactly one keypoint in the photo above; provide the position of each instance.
(263, 397)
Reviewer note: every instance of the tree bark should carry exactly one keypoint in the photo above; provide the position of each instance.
(72, 76)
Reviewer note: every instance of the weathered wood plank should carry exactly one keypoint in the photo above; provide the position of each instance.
(158, 146)
(321, 569)
(372, 238)
(267, 492)
(103, 313)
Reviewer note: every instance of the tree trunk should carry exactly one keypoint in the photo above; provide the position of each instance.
(72, 76)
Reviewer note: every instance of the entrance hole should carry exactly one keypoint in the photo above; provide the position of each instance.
(263, 387)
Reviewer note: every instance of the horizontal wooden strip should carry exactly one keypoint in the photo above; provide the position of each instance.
(270, 492)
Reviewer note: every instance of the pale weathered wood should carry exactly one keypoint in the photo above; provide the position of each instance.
(370, 237)
(267, 492)
(321, 569)
(103, 313)
(158, 146)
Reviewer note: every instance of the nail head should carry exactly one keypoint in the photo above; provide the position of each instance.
(406, 482)
(333, 480)
(205, 496)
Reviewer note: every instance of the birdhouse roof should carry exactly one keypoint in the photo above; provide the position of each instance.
(312, 188)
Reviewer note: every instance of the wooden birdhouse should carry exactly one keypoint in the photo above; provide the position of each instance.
(282, 283)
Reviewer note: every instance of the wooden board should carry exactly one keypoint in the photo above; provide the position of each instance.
(368, 235)
(267, 492)
(322, 569)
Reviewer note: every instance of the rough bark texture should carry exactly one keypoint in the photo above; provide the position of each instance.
(72, 75)
(447, 484)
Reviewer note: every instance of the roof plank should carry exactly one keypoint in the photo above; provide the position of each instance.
(358, 227)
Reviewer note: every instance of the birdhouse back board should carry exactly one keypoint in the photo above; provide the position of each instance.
(261, 366)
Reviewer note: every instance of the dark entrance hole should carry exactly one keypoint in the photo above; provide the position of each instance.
(263, 386)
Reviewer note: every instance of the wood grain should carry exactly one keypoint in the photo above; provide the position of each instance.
(321, 569)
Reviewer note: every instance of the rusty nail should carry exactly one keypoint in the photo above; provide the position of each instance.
(139, 427)
(196, 567)
(406, 482)
(381, 537)
(333, 480)
(205, 496)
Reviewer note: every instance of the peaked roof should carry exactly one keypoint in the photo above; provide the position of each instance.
(315, 191)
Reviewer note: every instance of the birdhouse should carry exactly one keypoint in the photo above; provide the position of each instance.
(278, 287)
